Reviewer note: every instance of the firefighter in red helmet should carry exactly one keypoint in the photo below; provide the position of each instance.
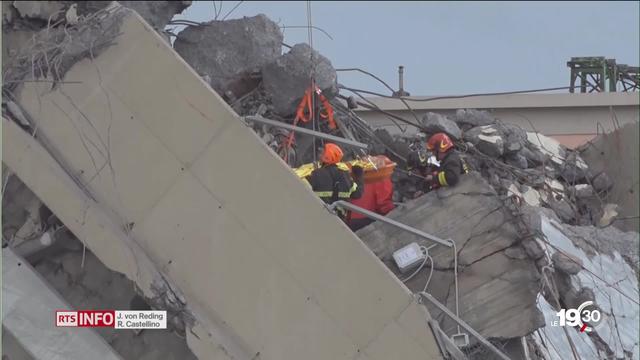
(452, 165)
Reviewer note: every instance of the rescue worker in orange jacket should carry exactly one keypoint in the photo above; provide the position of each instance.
(331, 183)
(452, 165)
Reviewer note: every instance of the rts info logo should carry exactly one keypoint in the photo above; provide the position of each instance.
(586, 317)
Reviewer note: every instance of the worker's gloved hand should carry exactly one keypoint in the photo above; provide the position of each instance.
(429, 178)
(358, 171)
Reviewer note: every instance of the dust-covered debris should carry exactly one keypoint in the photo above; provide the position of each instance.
(487, 139)
(41, 10)
(605, 277)
(52, 51)
(543, 177)
(566, 263)
(23, 19)
(616, 155)
(156, 13)
(223, 50)
(435, 123)
(287, 78)
(470, 118)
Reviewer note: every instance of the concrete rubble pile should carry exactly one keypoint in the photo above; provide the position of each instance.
(520, 175)
(499, 216)
(532, 213)
(22, 19)
(243, 61)
(516, 161)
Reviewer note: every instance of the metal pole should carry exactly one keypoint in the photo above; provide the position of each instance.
(464, 325)
(313, 133)
(386, 220)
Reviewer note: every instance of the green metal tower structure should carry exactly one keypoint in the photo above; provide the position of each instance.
(598, 74)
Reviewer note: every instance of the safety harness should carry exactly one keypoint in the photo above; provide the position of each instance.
(305, 112)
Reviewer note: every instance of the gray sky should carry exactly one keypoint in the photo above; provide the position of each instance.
(454, 47)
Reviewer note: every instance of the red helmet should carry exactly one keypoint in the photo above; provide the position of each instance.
(332, 154)
(439, 142)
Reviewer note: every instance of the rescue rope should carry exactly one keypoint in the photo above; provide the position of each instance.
(312, 87)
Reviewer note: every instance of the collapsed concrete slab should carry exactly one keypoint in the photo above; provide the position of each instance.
(616, 154)
(146, 174)
(498, 282)
(601, 272)
(28, 310)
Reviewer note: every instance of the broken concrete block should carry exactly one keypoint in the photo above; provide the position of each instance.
(222, 49)
(516, 252)
(514, 136)
(583, 191)
(486, 139)
(602, 182)
(512, 146)
(531, 196)
(534, 157)
(548, 146)
(470, 118)
(435, 123)
(573, 169)
(610, 212)
(566, 263)
(513, 190)
(517, 160)
(533, 249)
(562, 208)
(41, 10)
(555, 185)
(287, 78)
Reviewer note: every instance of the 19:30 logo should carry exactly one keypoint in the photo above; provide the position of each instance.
(583, 317)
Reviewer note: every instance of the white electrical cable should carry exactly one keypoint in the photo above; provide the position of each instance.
(426, 285)
(424, 251)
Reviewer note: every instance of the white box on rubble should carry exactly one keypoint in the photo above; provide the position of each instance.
(408, 257)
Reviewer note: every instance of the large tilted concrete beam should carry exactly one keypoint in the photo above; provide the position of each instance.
(28, 314)
(188, 197)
